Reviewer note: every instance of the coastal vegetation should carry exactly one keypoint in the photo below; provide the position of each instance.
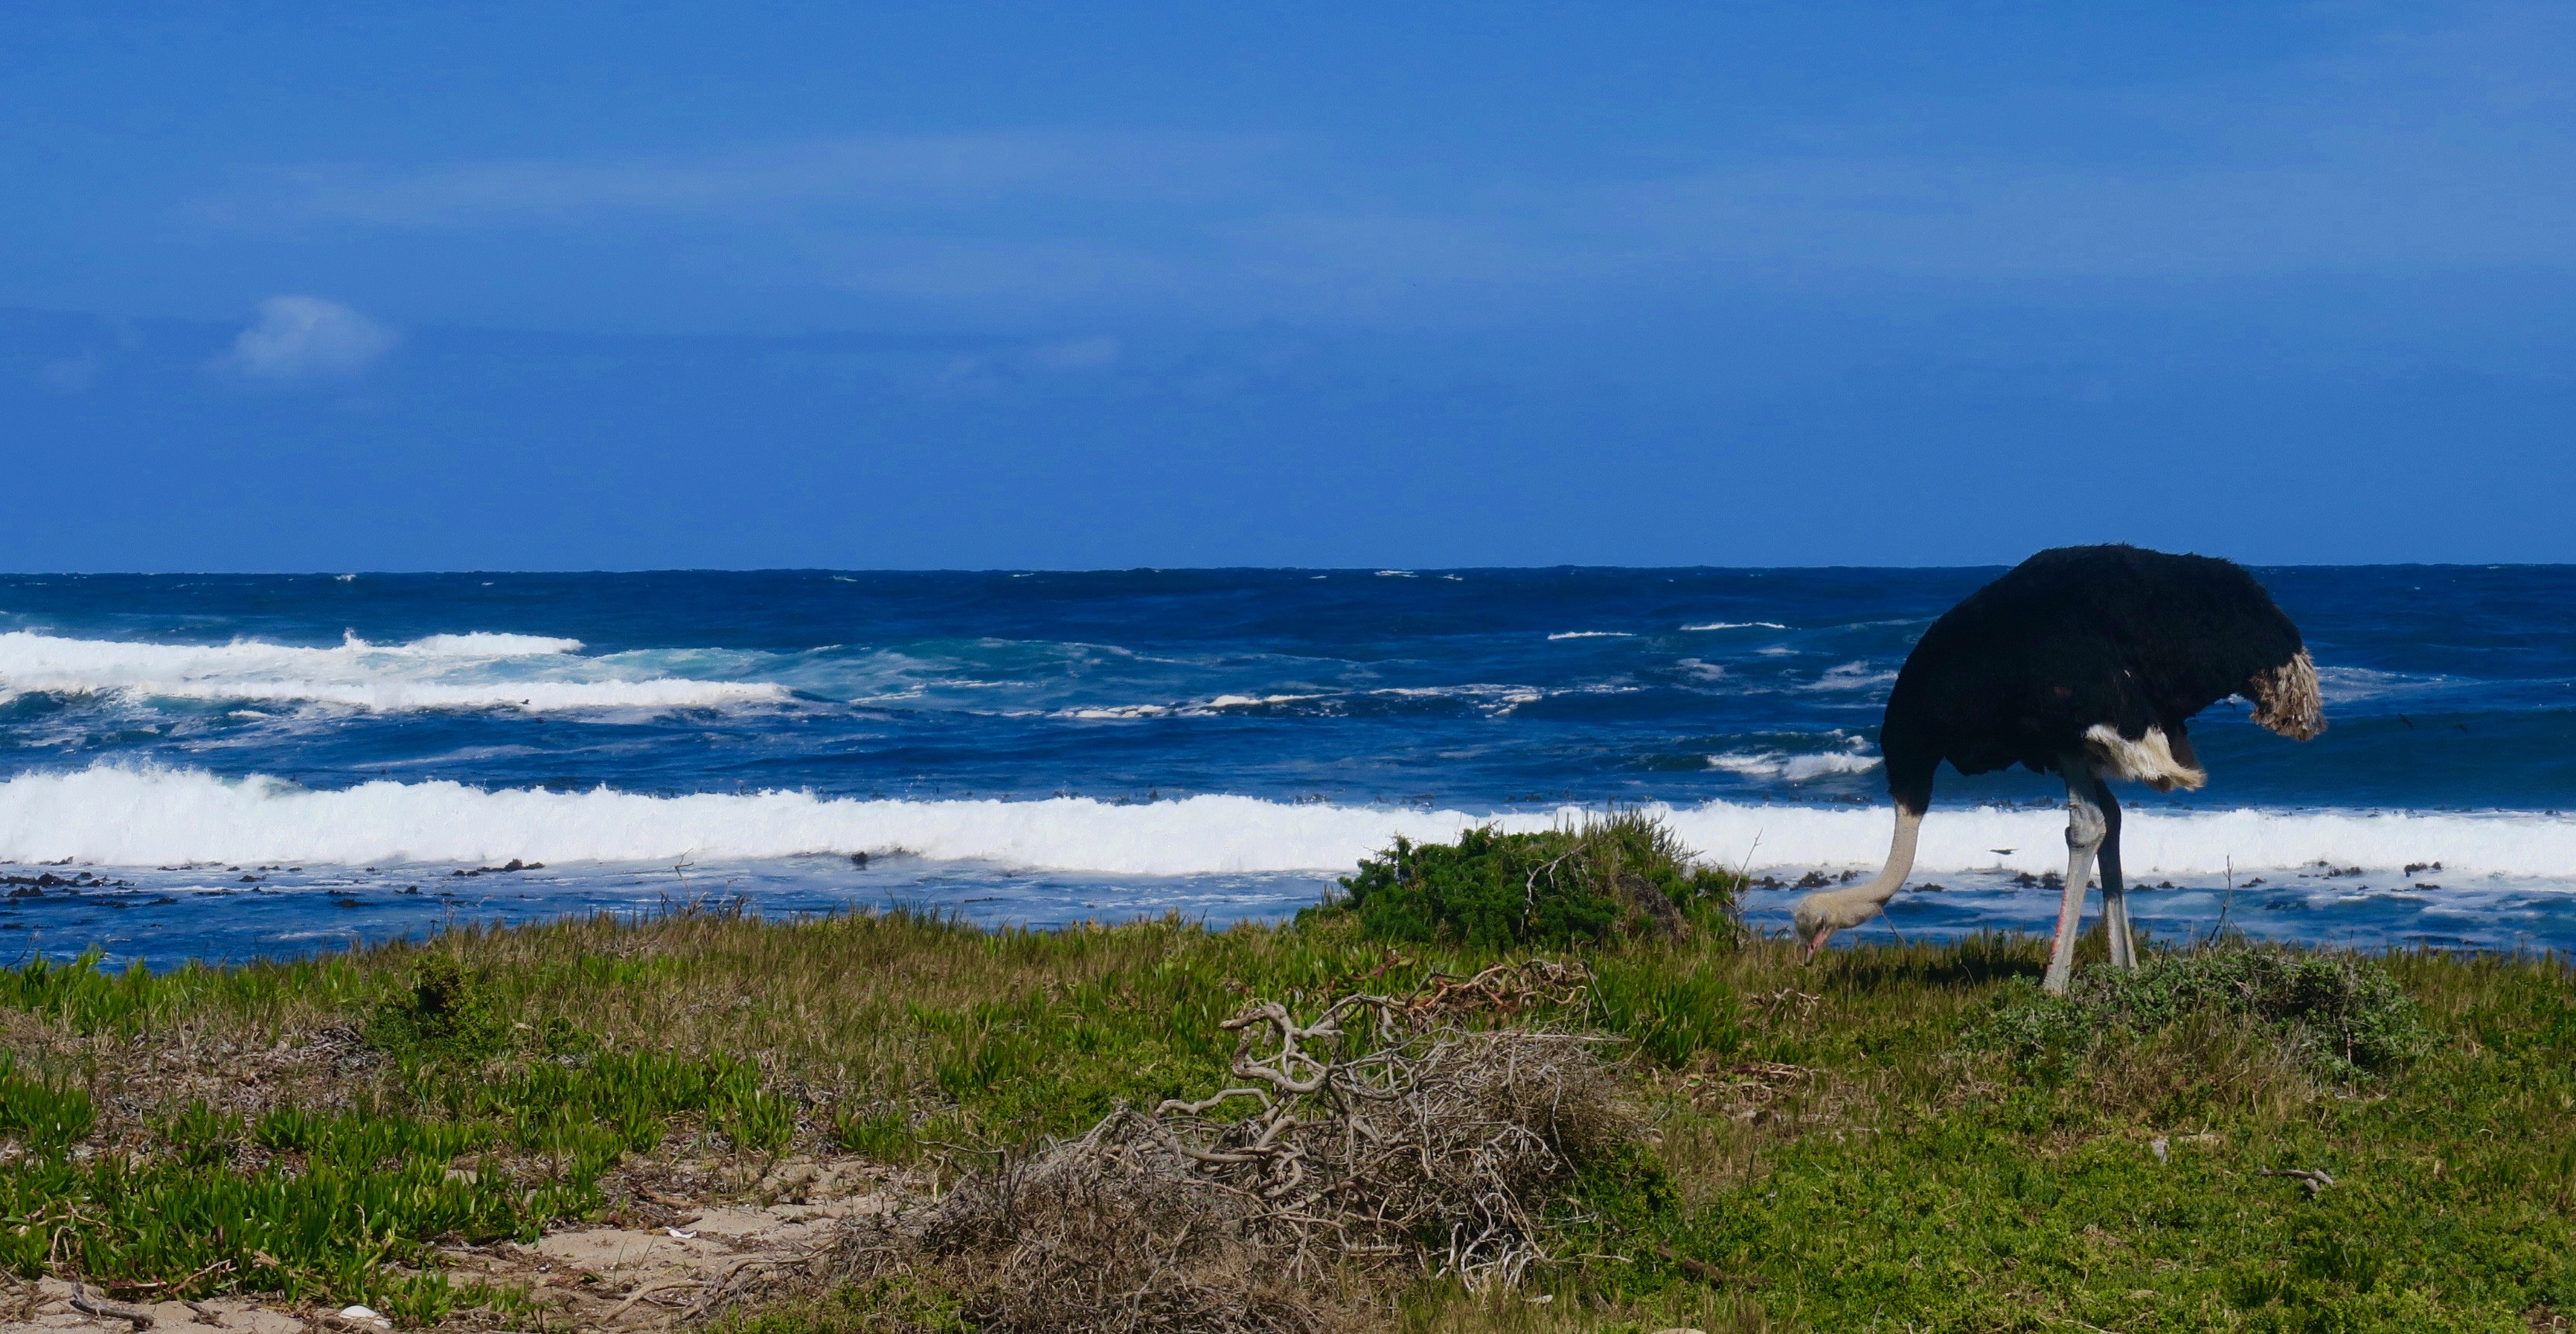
(1899, 1136)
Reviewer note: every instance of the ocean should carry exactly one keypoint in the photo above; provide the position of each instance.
(236, 766)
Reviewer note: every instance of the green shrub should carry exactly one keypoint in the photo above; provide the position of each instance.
(1620, 875)
(343, 1199)
(753, 1117)
(882, 1134)
(442, 1011)
(359, 1141)
(2342, 1016)
(332, 1227)
(45, 1116)
(200, 1136)
(75, 990)
(90, 1000)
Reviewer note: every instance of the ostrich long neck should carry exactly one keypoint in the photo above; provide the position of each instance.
(1853, 906)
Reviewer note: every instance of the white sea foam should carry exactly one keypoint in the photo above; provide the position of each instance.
(1207, 708)
(2348, 685)
(131, 817)
(1853, 758)
(2160, 843)
(1851, 676)
(1592, 634)
(1795, 768)
(463, 671)
(1096, 713)
(1737, 625)
(1496, 700)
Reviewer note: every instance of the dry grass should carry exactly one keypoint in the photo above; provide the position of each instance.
(1383, 1141)
(230, 1063)
(1106, 1234)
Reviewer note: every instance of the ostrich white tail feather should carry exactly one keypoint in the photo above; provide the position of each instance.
(2151, 759)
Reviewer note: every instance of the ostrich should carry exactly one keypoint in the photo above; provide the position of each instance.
(2084, 662)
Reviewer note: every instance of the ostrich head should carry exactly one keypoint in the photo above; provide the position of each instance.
(2286, 699)
(1818, 916)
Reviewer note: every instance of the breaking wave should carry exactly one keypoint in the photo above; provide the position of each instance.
(1795, 768)
(143, 817)
(1851, 676)
(466, 671)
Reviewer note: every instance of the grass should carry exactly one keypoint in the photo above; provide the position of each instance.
(1900, 1137)
(430, 1118)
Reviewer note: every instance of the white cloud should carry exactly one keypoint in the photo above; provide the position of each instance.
(1080, 354)
(299, 337)
(73, 374)
(904, 174)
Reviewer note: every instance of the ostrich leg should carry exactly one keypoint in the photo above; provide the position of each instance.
(2115, 896)
(2084, 829)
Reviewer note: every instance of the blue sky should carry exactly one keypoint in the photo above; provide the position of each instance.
(305, 287)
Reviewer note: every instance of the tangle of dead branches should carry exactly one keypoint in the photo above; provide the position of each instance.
(1378, 1133)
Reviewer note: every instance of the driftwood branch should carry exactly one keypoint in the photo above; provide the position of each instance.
(100, 1306)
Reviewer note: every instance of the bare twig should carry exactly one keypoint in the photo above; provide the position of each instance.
(646, 1290)
(1701, 1269)
(100, 1306)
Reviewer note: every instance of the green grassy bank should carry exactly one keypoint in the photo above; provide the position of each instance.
(1897, 1138)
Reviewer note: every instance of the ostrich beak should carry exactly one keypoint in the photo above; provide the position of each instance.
(1816, 943)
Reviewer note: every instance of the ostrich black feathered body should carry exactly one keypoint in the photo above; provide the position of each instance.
(2035, 666)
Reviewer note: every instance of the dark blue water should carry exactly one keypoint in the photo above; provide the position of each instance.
(614, 727)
